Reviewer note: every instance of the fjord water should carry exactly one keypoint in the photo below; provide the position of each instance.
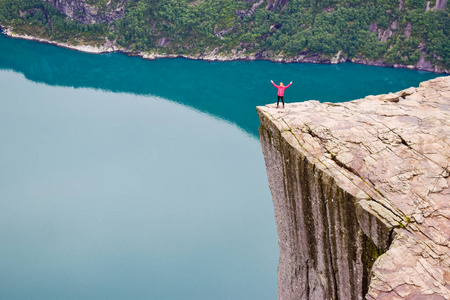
(122, 178)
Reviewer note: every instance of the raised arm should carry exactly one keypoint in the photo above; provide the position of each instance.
(274, 84)
(289, 85)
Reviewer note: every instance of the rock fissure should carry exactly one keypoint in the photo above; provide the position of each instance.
(307, 280)
(333, 276)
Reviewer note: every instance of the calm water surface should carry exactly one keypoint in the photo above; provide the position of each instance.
(122, 178)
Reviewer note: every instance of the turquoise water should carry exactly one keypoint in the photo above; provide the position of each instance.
(122, 178)
(228, 90)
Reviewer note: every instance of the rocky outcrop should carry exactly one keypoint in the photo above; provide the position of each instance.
(440, 4)
(87, 13)
(361, 192)
(251, 11)
(276, 3)
(163, 42)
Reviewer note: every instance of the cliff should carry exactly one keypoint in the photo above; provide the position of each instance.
(361, 192)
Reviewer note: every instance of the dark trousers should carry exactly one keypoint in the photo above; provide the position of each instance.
(278, 99)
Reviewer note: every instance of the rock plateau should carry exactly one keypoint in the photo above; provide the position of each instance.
(361, 192)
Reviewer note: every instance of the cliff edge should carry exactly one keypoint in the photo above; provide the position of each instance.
(361, 192)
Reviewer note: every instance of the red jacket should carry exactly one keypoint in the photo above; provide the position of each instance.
(281, 89)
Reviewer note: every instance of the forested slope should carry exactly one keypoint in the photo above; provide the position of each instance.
(385, 32)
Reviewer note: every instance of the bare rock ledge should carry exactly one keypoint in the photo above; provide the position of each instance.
(361, 192)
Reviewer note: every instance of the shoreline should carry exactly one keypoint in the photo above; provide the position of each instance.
(422, 65)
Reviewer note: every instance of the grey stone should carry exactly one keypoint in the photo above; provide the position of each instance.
(373, 26)
(163, 42)
(408, 30)
(83, 12)
(391, 97)
(440, 4)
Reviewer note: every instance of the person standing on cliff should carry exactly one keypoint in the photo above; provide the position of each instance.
(281, 89)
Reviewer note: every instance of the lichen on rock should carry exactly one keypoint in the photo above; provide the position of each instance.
(361, 192)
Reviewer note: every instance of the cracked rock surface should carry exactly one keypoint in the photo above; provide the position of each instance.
(361, 192)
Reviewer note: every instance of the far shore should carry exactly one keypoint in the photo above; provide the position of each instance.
(422, 65)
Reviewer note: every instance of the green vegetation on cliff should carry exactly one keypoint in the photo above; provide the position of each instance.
(38, 18)
(392, 32)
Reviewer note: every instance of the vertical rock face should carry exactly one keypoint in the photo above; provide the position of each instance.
(351, 181)
(440, 4)
(87, 13)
